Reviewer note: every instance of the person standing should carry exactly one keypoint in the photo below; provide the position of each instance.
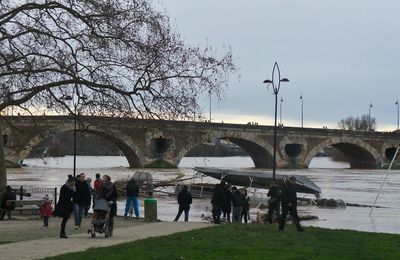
(184, 201)
(46, 210)
(217, 201)
(87, 207)
(9, 194)
(237, 203)
(227, 205)
(274, 201)
(289, 203)
(108, 192)
(132, 196)
(97, 182)
(64, 206)
(245, 206)
(81, 199)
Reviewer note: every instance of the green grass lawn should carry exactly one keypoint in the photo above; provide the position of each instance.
(254, 241)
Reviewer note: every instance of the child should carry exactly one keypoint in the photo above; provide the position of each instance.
(46, 210)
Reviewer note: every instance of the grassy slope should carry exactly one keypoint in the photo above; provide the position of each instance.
(254, 242)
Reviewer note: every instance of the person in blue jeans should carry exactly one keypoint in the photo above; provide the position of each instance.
(81, 199)
(132, 195)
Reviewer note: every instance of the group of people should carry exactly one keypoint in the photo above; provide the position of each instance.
(76, 196)
(285, 196)
(227, 199)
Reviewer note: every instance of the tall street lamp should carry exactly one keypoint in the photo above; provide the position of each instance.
(276, 84)
(280, 111)
(75, 104)
(397, 104)
(302, 110)
(369, 115)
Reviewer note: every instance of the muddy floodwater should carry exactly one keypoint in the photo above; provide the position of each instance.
(335, 180)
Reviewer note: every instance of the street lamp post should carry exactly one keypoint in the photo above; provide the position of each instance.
(397, 104)
(75, 104)
(369, 115)
(276, 84)
(280, 111)
(194, 108)
(302, 110)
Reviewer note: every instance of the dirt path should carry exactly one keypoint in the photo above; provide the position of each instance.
(51, 246)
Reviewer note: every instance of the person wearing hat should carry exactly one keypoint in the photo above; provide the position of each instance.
(46, 210)
(289, 203)
(64, 205)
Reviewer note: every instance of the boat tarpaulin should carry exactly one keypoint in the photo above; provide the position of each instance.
(257, 179)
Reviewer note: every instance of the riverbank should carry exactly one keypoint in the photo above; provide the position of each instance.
(25, 239)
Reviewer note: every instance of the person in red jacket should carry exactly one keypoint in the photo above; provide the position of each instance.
(46, 210)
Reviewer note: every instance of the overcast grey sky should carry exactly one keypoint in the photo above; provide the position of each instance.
(341, 55)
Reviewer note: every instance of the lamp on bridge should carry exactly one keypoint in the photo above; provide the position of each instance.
(280, 112)
(302, 110)
(275, 82)
(397, 104)
(209, 93)
(369, 116)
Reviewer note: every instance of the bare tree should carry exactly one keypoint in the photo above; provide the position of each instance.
(119, 57)
(358, 123)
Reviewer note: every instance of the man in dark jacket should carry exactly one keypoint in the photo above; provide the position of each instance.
(184, 201)
(289, 203)
(217, 202)
(81, 199)
(237, 203)
(132, 195)
(9, 194)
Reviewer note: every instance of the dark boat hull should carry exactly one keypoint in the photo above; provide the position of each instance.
(257, 179)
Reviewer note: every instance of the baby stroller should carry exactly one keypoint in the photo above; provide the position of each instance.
(101, 218)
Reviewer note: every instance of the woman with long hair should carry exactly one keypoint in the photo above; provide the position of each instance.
(64, 206)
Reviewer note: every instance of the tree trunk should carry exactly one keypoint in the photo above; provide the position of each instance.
(3, 173)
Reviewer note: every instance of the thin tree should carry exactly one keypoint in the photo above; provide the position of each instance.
(119, 57)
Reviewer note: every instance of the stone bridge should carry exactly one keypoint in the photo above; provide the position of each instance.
(146, 142)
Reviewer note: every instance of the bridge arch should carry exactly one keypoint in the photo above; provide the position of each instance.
(133, 154)
(388, 150)
(360, 154)
(259, 150)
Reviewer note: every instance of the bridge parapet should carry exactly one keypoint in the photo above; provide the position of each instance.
(145, 141)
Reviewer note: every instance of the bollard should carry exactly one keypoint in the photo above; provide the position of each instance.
(150, 210)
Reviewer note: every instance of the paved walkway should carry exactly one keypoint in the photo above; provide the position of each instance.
(36, 249)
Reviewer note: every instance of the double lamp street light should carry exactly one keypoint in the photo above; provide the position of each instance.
(275, 82)
(75, 104)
